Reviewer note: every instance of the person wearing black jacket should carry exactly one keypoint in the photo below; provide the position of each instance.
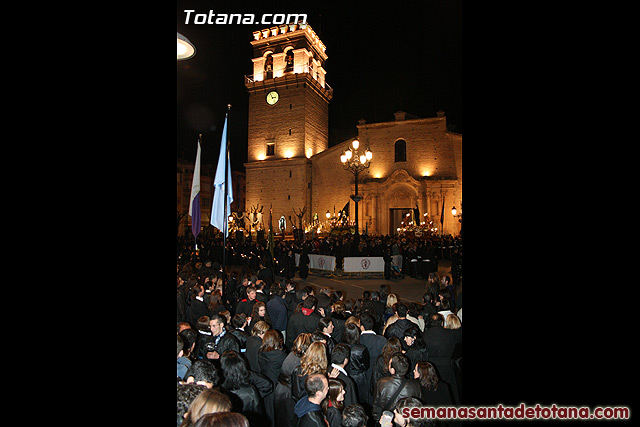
(359, 361)
(441, 344)
(197, 307)
(222, 340)
(397, 328)
(305, 320)
(308, 409)
(244, 396)
(389, 390)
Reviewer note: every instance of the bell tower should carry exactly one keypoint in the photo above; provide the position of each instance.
(288, 117)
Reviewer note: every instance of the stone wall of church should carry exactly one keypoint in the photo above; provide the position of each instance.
(283, 184)
(432, 169)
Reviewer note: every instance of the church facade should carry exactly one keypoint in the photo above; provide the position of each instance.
(417, 162)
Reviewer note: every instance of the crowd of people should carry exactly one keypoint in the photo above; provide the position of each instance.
(414, 250)
(261, 349)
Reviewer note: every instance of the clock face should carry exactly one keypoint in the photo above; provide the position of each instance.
(272, 97)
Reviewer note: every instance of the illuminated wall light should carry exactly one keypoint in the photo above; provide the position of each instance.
(288, 154)
(261, 156)
(309, 152)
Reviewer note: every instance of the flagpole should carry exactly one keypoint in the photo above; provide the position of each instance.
(225, 226)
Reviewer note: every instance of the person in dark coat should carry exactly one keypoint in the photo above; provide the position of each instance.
(277, 309)
(304, 265)
(308, 408)
(270, 358)
(253, 345)
(244, 396)
(197, 307)
(387, 387)
(305, 320)
(359, 360)
(397, 328)
(434, 392)
(245, 305)
(239, 322)
(441, 344)
(340, 359)
(222, 340)
(374, 343)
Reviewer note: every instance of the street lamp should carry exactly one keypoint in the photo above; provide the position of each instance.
(186, 49)
(455, 214)
(355, 162)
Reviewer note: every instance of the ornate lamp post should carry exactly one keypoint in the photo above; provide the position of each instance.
(355, 162)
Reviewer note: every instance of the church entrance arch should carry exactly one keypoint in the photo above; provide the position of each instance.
(399, 197)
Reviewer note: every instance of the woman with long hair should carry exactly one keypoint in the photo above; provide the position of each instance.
(381, 368)
(208, 402)
(314, 361)
(433, 391)
(270, 358)
(332, 405)
(358, 362)
(259, 313)
(244, 396)
(283, 403)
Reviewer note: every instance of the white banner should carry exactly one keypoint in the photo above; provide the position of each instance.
(322, 262)
(363, 265)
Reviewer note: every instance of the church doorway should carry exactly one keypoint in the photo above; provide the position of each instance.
(395, 218)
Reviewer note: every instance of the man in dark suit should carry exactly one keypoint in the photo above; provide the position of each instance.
(440, 344)
(397, 328)
(339, 359)
(374, 344)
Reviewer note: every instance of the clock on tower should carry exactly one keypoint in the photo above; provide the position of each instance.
(288, 117)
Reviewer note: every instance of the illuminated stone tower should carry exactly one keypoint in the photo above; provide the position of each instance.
(288, 119)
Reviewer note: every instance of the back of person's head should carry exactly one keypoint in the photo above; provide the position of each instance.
(436, 319)
(259, 328)
(317, 336)
(401, 309)
(323, 323)
(337, 307)
(203, 371)
(445, 304)
(223, 419)
(339, 353)
(203, 323)
(310, 302)
(426, 298)
(186, 394)
(354, 416)
(236, 372)
(301, 344)
(272, 340)
(366, 295)
(427, 375)
(189, 336)
(400, 363)
(375, 296)
(238, 320)
(351, 334)
(277, 290)
(367, 321)
(208, 402)
(314, 384)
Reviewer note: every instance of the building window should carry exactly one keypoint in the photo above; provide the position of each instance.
(271, 149)
(401, 150)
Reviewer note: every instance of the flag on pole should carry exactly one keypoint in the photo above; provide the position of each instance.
(194, 202)
(218, 219)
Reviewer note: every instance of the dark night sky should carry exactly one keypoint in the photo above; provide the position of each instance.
(381, 59)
